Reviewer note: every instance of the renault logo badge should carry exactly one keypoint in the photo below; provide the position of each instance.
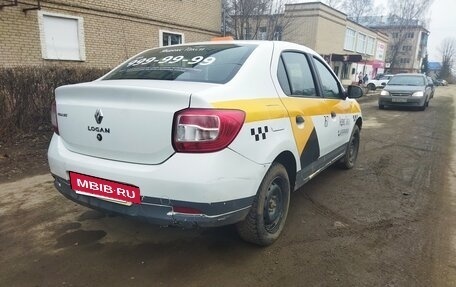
(98, 116)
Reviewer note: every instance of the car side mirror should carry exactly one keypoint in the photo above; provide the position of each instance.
(354, 92)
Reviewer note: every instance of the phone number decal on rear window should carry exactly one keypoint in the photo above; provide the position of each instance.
(172, 60)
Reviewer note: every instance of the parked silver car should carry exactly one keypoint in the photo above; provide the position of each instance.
(378, 82)
(406, 90)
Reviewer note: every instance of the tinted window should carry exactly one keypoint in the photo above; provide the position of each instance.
(283, 78)
(299, 74)
(197, 63)
(406, 80)
(329, 84)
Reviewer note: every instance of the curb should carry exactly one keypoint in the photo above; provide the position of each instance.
(369, 96)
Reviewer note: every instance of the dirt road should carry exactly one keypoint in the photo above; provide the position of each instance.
(387, 222)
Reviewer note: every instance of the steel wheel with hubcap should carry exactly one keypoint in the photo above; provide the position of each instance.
(268, 213)
(351, 154)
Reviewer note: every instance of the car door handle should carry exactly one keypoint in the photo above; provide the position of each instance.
(333, 115)
(300, 120)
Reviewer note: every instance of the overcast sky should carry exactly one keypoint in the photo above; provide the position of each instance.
(443, 25)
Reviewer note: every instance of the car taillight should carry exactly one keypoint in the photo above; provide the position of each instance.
(205, 130)
(55, 125)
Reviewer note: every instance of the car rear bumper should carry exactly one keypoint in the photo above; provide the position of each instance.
(160, 211)
(222, 185)
(204, 177)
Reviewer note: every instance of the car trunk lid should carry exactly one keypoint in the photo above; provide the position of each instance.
(128, 121)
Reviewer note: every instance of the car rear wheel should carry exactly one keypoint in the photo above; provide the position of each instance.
(381, 107)
(371, 87)
(351, 154)
(268, 213)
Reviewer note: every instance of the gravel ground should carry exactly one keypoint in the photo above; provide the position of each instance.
(387, 222)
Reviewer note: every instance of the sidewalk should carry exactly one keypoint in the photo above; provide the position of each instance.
(369, 95)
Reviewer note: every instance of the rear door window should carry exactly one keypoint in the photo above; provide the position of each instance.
(196, 63)
(300, 80)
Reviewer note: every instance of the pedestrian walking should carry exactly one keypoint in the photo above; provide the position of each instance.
(365, 79)
(360, 78)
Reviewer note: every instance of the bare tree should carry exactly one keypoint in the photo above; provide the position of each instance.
(448, 52)
(336, 4)
(358, 8)
(404, 17)
(255, 19)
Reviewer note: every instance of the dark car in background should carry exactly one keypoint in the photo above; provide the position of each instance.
(406, 90)
(432, 85)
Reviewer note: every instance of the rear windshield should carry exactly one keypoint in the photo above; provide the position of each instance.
(407, 81)
(217, 63)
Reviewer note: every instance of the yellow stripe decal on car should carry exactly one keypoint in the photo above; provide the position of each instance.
(270, 108)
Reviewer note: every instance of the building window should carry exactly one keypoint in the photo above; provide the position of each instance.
(361, 43)
(62, 37)
(170, 38)
(247, 33)
(406, 48)
(410, 35)
(350, 36)
(395, 35)
(370, 46)
(263, 35)
(405, 61)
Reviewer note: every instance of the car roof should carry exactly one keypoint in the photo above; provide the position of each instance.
(283, 45)
(410, 74)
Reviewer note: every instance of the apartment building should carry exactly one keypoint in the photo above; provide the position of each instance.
(407, 42)
(350, 48)
(99, 33)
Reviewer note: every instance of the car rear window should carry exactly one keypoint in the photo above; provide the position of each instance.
(216, 63)
(407, 81)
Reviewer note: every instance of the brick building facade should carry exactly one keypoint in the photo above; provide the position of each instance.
(99, 33)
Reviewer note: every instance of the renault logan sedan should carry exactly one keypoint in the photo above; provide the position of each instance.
(407, 90)
(204, 134)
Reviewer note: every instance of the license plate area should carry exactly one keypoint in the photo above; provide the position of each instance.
(105, 189)
(399, 100)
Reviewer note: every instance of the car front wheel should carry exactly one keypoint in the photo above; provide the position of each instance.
(423, 107)
(268, 213)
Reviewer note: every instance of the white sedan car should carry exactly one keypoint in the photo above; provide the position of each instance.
(204, 134)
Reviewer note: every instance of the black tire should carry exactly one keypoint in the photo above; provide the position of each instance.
(268, 213)
(371, 87)
(351, 154)
(423, 107)
(381, 107)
